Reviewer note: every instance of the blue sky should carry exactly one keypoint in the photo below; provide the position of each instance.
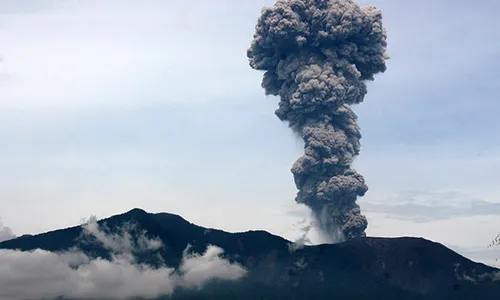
(106, 106)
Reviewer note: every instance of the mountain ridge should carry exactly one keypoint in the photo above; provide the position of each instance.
(374, 267)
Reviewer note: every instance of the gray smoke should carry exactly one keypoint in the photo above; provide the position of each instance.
(5, 232)
(301, 241)
(317, 55)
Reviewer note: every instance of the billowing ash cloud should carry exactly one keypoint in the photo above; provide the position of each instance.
(73, 275)
(5, 232)
(317, 55)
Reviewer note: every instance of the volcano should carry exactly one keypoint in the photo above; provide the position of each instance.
(362, 268)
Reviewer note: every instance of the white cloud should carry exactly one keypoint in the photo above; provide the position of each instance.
(197, 269)
(72, 274)
(121, 242)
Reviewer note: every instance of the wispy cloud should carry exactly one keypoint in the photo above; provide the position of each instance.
(430, 205)
(73, 275)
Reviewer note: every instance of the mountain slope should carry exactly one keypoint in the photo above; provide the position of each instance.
(367, 268)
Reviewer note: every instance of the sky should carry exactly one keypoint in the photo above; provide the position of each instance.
(106, 106)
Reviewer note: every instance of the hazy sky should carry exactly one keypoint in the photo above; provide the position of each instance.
(110, 105)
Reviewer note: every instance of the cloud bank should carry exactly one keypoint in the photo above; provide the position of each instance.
(72, 274)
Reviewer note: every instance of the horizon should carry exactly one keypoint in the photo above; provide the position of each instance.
(109, 107)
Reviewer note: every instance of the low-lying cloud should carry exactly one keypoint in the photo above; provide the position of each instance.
(122, 241)
(72, 274)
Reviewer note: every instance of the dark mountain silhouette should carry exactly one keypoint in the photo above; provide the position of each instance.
(365, 268)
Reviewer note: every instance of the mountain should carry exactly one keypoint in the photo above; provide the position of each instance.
(366, 268)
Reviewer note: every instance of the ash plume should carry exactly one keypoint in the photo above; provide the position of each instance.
(317, 56)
